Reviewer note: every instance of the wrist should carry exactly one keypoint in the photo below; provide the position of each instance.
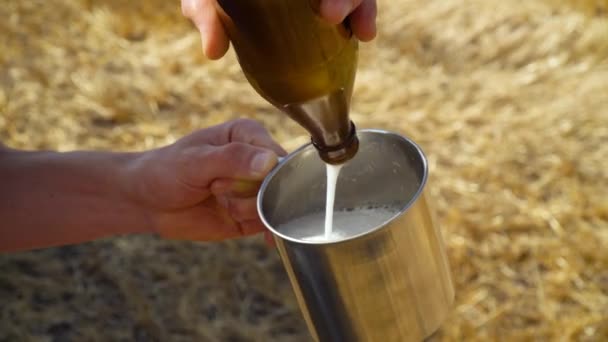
(101, 182)
(130, 167)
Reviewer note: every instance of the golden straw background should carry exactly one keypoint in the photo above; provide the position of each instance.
(509, 100)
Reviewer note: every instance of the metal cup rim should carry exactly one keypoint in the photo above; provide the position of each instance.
(284, 160)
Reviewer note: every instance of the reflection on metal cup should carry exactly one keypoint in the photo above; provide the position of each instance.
(388, 282)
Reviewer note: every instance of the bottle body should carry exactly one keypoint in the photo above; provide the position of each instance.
(300, 64)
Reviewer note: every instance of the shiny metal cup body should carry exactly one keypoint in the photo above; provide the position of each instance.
(388, 283)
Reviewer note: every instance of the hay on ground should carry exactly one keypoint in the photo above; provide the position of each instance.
(507, 98)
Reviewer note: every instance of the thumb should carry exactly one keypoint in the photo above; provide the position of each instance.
(335, 11)
(234, 160)
(204, 16)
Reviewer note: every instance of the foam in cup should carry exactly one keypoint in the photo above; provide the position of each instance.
(346, 223)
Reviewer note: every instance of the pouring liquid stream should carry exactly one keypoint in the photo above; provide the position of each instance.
(333, 172)
(335, 225)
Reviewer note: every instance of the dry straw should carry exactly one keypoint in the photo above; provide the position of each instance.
(508, 99)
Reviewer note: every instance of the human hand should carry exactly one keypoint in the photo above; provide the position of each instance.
(203, 187)
(215, 40)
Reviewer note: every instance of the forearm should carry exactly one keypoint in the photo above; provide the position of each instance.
(50, 199)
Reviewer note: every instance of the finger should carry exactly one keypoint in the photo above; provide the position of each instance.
(252, 227)
(213, 36)
(240, 209)
(189, 7)
(204, 222)
(335, 11)
(246, 131)
(269, 239)
(363, 20)
(200, 166)
(240, 161)
(252, 132)
(240, 130)
(235, 187)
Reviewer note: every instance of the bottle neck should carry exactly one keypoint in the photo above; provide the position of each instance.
(327, 120)
(342, 152)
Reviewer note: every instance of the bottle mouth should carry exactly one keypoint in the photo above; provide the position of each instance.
(341, 153)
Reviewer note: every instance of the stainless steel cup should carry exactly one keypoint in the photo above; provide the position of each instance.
(388, 283)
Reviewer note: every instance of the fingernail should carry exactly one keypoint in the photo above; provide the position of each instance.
(336, 10)
(262, 162)
(345, 8)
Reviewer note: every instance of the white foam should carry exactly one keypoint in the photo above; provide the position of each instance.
(346, 223)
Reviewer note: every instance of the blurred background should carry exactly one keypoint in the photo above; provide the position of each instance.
(509, 100)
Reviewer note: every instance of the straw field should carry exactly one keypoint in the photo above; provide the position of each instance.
(509, 100)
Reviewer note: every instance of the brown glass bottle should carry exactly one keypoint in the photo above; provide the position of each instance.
(299, 63)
